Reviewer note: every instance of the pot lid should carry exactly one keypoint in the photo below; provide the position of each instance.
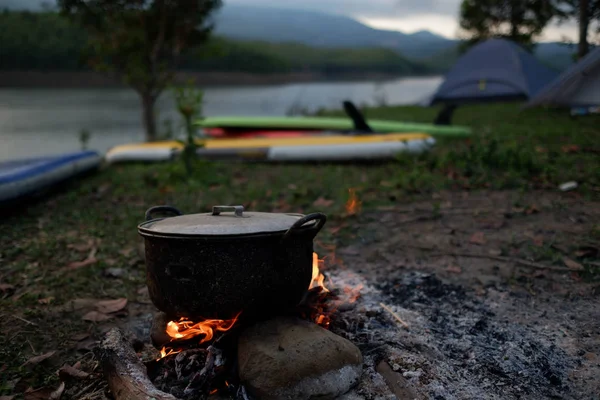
(224, 220)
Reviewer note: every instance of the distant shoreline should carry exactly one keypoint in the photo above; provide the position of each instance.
(90, 79)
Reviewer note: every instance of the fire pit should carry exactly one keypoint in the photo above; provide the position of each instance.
(233, 357)
(243, 311)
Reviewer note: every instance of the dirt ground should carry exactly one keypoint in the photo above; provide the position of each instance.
(525, 265)
(506, 277)
(480, 279)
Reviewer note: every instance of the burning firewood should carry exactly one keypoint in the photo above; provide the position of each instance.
(124, 371)
(188, 374)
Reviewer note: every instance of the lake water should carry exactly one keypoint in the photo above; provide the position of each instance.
(36, 122)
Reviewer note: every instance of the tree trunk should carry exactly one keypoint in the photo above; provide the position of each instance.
(514, 32)
(584, 21)
(149, 118)
(514, 21)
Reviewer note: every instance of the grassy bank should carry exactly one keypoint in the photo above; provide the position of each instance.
(510, 148)
(82, 242)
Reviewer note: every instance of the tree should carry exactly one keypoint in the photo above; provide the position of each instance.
(586, 12)
(584, 22)
(521, 21)
(141, 41)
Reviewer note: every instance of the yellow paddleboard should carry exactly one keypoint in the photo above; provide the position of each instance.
(326, 145)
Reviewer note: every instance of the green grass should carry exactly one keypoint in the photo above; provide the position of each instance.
(509, 149)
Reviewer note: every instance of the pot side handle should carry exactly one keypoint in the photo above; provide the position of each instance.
(168, 209)
(319, 217)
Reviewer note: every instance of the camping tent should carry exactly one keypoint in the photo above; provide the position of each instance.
(494, 70)
(578, 86)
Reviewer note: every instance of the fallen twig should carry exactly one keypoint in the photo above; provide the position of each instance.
(85, 389)
(447, 210)
(593, 263)
(394, 314)
(374, 349)
(31, 346)
(418, 247)
(24, 320)
(518, 261)
(421, 218)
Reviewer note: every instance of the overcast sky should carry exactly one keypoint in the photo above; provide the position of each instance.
(438, 16)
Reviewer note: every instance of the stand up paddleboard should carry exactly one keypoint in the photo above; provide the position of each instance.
(305, 148)
(21, 178)
(296, 126)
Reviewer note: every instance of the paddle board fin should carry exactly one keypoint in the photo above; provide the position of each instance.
(360, 124)
(445, 115)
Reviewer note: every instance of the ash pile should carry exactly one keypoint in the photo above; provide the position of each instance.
(422, 338)
(419, 338)
(408, 337)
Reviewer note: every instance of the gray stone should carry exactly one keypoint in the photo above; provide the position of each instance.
(289, 358)
(138, 328)
(158, 331)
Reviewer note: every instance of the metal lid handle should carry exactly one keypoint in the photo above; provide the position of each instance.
(238, 210)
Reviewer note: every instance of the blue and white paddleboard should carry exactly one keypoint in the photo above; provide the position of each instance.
(20, 178)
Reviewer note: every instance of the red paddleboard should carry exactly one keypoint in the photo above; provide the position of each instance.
(265, 133)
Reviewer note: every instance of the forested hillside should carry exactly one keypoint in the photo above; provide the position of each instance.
(45, 41)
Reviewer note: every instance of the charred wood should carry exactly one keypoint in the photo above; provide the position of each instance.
(396, 382)
(190, 374)
(126, 374)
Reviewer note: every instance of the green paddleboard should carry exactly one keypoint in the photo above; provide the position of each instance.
(332, 124)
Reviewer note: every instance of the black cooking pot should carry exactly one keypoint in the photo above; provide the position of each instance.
(216, 265)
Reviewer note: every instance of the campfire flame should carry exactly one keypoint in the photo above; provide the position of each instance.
(353, 205)
(318, 279)
(184, 329)
(324, 303)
